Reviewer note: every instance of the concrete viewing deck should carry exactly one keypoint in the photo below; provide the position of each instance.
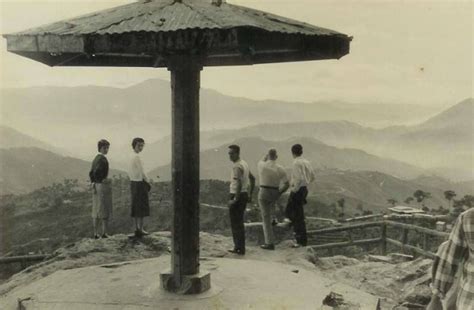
(239, 283)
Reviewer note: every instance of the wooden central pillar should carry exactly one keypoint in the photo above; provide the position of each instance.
(185, 276)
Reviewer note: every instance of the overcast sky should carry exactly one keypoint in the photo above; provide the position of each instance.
(402, 52)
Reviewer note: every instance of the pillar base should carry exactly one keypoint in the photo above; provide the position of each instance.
(192, 284)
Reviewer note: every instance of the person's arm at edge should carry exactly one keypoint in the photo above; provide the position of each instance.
(284, 188)
(449, 261)
(285, 184)
(252, 185)
(238, 174)
(142, 170)
(298, 176)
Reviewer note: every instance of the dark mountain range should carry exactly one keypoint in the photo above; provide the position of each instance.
(444, 144)
(24, 169)
(215, 162)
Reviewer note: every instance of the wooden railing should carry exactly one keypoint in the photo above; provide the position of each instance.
(23, 260)
(382, 240)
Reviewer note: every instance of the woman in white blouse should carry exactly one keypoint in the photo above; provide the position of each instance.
(139, 187)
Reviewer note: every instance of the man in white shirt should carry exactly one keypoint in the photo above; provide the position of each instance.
(301, 176)
(242, 183)
(139, 187)
(273, 182)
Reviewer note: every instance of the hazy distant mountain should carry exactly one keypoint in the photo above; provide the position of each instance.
(444, 144)
(11, 138)
(459, 116)
(24, 169)
(76, 117)
(215, 163)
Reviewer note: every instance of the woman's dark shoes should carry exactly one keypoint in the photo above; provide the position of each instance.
(237, 251)
(138, 233)
(268, 246)
(96, 236)
(105, 236)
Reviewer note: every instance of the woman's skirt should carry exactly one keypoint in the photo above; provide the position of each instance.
(102, 200)
(140, 203)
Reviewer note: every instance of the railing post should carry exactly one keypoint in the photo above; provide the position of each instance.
(425, 242)
(404, 240)
(383, 239)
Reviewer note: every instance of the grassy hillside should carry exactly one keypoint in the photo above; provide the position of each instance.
(57, 215)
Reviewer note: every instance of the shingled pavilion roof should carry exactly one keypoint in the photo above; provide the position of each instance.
(144, 33)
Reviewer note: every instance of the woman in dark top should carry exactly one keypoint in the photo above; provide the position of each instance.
(101, 190)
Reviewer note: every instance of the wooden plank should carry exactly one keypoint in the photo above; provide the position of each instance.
(425, 242)
(20, 259)
(404, 239)
(410, 247)
(427, 217)
(363, 218)
(321, 219)
(418, 229)
(383, 240)
(345, 244)
(345, 228)
(22, 43)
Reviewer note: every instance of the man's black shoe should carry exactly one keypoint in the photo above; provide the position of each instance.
(236, 251)
(268, 246)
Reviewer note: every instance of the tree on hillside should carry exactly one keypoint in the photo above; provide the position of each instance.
(442, 210)
(392, 201)
(449, 195)
(421, 196)
(409, 200)
(466, 202)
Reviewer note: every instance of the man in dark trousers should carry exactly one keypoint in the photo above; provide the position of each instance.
(242, 184)
(101, 190)
(302, 175)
